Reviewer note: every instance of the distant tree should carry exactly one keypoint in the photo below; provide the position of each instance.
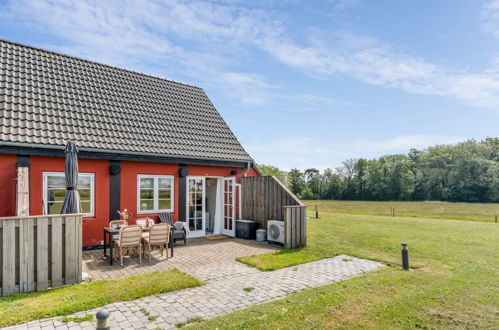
(347, 168)
(415, 166)
(273, 171)
(359, 179)
(492, 180)
(467, 172)
(296, 181)
(313, 179)
(376, 180)
(333, 185)
(347, 172)
(307, 194)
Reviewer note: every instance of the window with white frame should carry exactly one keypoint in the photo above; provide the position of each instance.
(154, 193)
(54, 192)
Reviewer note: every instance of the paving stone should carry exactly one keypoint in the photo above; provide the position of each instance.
(212, 262)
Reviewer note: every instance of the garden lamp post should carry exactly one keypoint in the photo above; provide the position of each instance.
(405, 256)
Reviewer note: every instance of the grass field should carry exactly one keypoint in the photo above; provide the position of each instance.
(431, 210)
(24, 307)
(453, 284)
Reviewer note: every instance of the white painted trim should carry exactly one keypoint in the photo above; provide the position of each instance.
(218, 207)
(202, 232)
(233, 202)
(61, 174)
(155, 178)
(240, 191)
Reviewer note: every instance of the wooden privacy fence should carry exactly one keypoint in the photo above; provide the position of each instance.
(295, 226)
(266, 198)
(38, 252)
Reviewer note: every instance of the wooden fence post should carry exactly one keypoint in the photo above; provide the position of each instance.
(22, 187)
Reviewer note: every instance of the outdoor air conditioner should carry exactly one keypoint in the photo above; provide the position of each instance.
(275, 231)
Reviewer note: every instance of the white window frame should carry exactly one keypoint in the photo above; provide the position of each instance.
(156, 193)
(91, 214)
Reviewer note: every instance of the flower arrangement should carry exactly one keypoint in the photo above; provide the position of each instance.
(124, 214)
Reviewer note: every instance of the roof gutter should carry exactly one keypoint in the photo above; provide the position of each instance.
(119, 152)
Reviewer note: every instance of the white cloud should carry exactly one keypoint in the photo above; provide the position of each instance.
(344, 4)
(221, 36)
(148, 36)
(378, 64)
(490, 17)
(306, 152)
(142, 36)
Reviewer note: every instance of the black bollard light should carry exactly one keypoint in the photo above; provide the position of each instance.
(317, 212)
(102, 317)
(405, 256)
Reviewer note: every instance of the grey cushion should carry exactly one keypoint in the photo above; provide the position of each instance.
(178, 225)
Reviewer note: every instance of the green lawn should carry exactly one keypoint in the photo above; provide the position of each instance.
(280, 259)
(24, 307)
(430, 210)
(454, 284)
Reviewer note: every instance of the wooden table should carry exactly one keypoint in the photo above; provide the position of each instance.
(111, 232)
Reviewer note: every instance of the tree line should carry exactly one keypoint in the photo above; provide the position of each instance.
(463, 172)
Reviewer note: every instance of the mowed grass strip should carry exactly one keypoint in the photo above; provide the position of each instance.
(453, 284)
(280, 259)
(25, 307)
(431, 210)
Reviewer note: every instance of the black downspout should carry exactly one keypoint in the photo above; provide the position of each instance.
(182, 196)
(24, 161)
(114, 189)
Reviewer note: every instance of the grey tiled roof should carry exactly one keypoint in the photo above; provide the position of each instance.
(47, 99)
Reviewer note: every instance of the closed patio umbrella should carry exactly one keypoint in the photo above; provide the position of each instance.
(72, 200)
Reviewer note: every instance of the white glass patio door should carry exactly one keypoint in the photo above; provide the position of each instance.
(196, 191)
(229, 206)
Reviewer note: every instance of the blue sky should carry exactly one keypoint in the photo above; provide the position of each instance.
(301, 83)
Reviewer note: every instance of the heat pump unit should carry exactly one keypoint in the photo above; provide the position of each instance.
(275, 231)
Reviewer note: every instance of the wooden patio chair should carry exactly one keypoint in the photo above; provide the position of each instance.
(130, 238)
(122, 223)
(179, 234)
(159, 235)
(142, 222)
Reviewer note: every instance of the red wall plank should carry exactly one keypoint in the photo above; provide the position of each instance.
(129, 172)
(8, 183)
(252, 172)
(92, 227)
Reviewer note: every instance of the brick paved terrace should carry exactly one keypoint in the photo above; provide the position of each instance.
(224, 291)
(200, 258)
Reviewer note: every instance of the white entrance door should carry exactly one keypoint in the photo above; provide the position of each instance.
(196, 190)
(229, 203)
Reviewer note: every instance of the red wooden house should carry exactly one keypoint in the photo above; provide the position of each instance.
(146, 144)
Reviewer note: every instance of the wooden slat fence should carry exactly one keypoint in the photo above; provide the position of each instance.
(266, 198)
(38, 252)
(295, 225)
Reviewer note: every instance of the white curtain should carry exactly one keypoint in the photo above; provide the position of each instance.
(218, 208)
